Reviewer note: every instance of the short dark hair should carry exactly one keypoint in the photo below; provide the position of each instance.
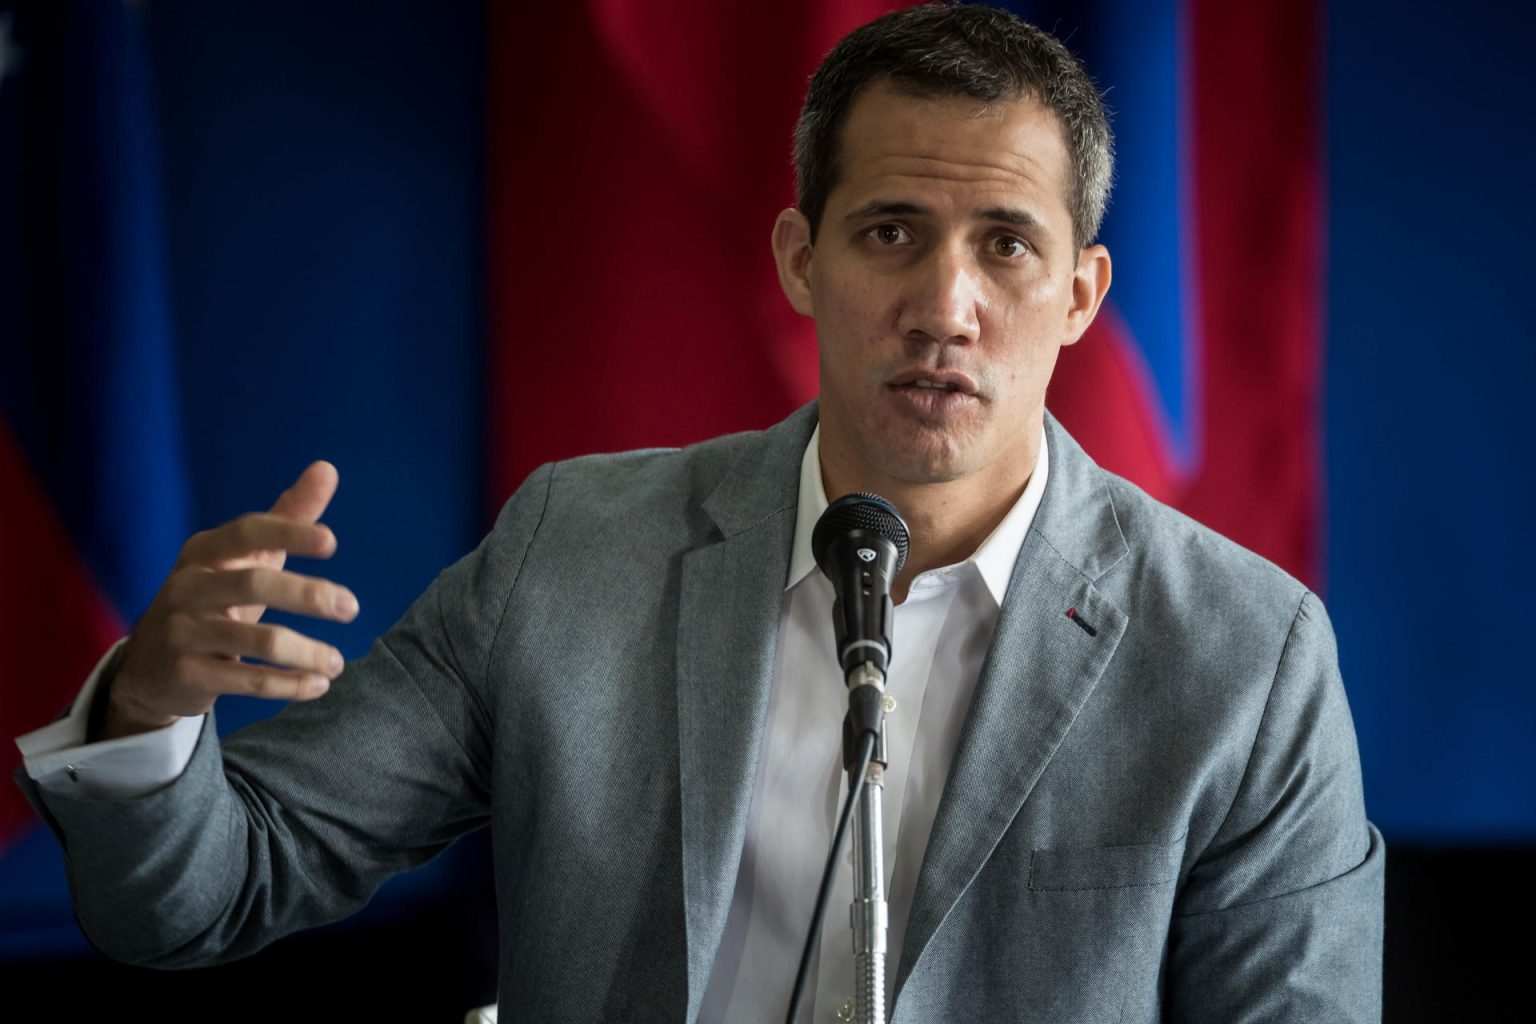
(957, 50)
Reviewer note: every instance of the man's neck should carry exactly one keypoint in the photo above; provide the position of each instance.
(949, 520)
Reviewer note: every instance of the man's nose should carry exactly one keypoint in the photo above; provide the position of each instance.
(943, 297)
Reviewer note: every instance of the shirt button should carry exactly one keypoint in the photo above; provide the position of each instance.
(890, 703)
(845, 1010)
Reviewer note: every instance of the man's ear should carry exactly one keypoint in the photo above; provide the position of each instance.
(792, 251)
(1090, 283)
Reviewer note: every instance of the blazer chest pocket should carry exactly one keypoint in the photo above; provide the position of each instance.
(1076, 869)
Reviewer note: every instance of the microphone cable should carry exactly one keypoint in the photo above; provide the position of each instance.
(824, 893)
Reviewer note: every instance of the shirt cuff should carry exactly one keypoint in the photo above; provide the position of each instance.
(58, 758)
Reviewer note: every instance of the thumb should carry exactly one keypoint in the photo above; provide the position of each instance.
(306, 500)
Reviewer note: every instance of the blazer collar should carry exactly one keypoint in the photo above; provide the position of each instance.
(764, 479)
(729, 603)
(1077, 517)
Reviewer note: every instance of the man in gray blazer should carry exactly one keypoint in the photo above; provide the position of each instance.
(1139, 796)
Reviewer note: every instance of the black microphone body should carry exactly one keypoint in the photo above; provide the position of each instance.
(861, 543)
(863, 610)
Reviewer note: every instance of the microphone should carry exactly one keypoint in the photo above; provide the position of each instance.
(861, 543)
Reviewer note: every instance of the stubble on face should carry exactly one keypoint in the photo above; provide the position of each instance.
(972, 290)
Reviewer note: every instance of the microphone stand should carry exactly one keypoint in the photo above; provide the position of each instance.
(861, 543)
(869, 912)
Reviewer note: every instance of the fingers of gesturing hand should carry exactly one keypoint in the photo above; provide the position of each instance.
(202, 591)
(185, 652)
(307, 498)
(219, 676)
(257, 532)
(228, 638)
(186, 649)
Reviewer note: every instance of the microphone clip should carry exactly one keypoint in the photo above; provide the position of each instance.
(866, 715)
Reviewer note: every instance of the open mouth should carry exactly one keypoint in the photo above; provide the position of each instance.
(934, 380)
(935, 399)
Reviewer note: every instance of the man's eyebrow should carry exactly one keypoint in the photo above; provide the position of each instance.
(1009, 215)
(886, 208)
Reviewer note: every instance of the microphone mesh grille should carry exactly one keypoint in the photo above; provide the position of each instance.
(861, 511)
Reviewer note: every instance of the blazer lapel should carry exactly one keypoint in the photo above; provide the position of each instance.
(1038, 673)
(729, 607)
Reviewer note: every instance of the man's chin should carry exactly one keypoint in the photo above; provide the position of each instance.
(926, 467)
(900, 453)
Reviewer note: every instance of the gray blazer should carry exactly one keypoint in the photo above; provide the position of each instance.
(1160, 819)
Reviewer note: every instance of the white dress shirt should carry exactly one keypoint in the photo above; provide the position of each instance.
(939, 639)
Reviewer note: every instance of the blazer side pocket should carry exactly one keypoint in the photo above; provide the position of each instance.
(1076, 869)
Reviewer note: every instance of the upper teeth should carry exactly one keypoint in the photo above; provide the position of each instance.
(926, 383)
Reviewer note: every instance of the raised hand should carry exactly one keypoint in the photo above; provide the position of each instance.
(185, 652)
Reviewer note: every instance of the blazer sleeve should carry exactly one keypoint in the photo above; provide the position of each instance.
(295, 821)
(1281, 916)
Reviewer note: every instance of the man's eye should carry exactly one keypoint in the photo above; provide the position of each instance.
(890, 234)
(1010, 247)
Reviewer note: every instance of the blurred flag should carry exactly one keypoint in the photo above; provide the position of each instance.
(638, 156)
(92, 490)
(1202, 380)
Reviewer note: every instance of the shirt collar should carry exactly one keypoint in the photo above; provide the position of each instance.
(994, 559)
